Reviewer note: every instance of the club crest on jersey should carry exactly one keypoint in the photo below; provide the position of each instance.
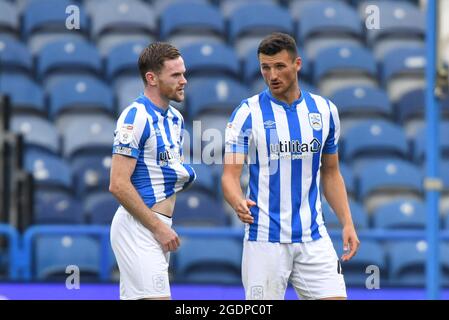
(126, 134)
(315, 121)
(159, 282)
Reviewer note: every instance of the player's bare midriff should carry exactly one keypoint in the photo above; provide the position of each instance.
(166, 206)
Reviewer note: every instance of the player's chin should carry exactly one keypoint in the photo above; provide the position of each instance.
(178, 96)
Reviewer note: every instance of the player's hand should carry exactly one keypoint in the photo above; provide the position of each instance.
(242, 210)
(351, 243)
(167, 238)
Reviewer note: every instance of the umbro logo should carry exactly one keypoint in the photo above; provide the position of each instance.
(269, 124)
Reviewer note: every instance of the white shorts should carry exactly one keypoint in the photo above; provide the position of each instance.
(313, 269)
(141, 261)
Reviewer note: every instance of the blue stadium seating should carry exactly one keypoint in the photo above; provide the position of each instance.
(195, 208)
(400, 214)
(214, 94)
(92, 135)
(54, 253)
(370, 253)
(362, 102)
(407, 260)
(122, 58)
(9, 17)
(269, 18)
(65, 56)
(210, 59)
(100, 208)
(344, 59)
(389, 175)
(49, 15)
(399, 20)
(191, 17)
(211, 260)
(411, 105)
(15, 85)
(91, 173)
(128, 91)
(120, 16)
(359, 216)
(14, 55)
(80, 93)
(375, 139)
(420, 143)
(403, 61)
(55, 207)
(37, 132)
(338, 66)
(327, 19)
(49, 171)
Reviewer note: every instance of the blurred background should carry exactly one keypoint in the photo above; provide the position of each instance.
(63, 89)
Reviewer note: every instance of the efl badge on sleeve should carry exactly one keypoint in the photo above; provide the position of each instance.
(315, 121)
(126, 134)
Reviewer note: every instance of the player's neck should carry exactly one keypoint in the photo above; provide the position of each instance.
(156, 99)
(289, 96)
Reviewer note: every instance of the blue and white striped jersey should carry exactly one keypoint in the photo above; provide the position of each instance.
(284, 144)
(154, 137)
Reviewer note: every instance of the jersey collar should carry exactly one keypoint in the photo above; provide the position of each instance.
(285, 104)
(149, 104)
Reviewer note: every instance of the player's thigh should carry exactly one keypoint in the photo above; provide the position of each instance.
(266, 268)
(317, 271)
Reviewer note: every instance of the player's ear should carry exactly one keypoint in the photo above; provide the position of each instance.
(151, 78)
(298, 63)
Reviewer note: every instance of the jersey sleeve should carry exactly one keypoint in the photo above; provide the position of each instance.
(331, 144)
(239, 129)
(131, 133)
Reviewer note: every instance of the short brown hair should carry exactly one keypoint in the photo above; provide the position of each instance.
(152, 58)
(276, 42)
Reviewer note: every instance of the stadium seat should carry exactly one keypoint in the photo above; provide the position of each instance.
(128, 91)
(80, 94)
(55, 207)
(121, 16)
(359, 216)
(374, 139)
(411, 106)
(209, 59)
(381, 181)
(403, 70)
(15, 85)
(14, 55)
(100, 208)
(420, 143)
(209, 260)
(269, 18)
(37, 132)
(400, 214)
(408, 260)
(122, 58)
(191, 17)
(370, 254)
(214, 95)
(340, 66)
(49, 171)
(401, 24)
(195, 208)
(46, 20)
(213, 127)
(52, 255)
(91, 174)
(68, 56)
(207, 176)
(91, 135)
(9, 18)
(227, 7)
(325, 23)
(362, 102)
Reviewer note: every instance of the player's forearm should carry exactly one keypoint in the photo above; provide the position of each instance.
(232, 190)
(335, 193)
(130, 199)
